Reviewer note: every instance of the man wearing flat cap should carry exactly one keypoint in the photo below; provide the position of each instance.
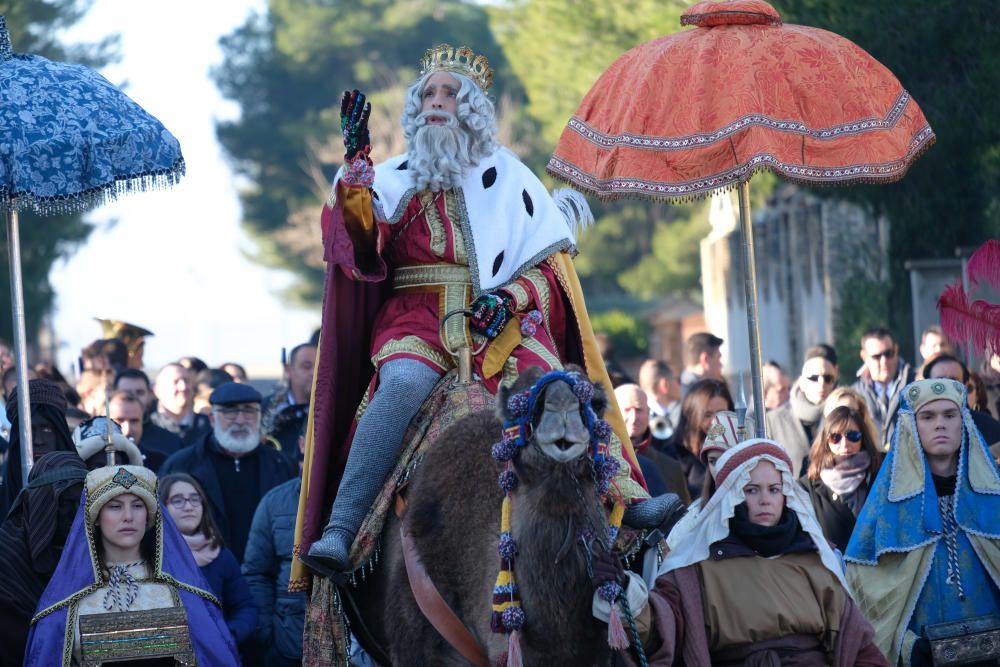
(230, 463)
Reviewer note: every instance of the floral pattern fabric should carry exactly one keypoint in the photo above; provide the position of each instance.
(685, 114)
(70, 140)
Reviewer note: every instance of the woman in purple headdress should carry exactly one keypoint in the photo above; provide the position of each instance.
(124, 554)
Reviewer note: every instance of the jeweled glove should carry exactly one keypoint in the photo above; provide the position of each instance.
(491, 312)
(354, 113)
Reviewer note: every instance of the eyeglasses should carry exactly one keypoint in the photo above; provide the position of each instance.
(232, 413)
(852, 436)
(827, 379)
(888, 354)
(178, 502)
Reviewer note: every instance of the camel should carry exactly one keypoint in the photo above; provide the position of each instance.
(453, 518)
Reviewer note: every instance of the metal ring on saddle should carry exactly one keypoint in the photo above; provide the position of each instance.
(444, 342)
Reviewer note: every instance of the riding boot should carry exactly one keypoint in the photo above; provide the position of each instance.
(403, 386)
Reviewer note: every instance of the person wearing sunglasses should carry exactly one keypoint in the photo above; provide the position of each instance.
(843, 463)
(795, 423)
(881, 379)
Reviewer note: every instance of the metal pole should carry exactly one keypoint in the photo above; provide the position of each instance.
(753, 323)
(20, 343)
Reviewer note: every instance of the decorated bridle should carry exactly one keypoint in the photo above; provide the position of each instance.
(508, 616)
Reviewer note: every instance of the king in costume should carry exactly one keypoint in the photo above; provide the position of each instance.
(926, 547)
(406, 246)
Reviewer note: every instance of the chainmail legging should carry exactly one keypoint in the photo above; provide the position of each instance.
(403, 386)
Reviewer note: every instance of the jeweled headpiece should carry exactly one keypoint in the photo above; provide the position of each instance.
(457, 60)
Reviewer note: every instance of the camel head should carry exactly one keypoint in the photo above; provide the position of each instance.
(558, 419)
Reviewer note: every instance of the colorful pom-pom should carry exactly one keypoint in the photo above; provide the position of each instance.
(584, 391)
(513, 618)
(508, 547)
(609, 591)
(517, 404)
(507, 481)
(602, 430)
(530, 323)
(503, 450)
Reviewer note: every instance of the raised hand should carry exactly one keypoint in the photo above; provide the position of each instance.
(354, 113)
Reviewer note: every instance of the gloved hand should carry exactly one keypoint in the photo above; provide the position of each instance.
(354, 113)
(607, 567)
(921, 655)
(491, 312)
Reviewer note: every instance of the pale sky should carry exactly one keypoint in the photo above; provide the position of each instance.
(175, 262)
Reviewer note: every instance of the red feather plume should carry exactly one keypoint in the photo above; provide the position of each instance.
(984, 265)
(977, 322)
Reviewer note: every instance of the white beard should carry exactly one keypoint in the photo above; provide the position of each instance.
(238, 439)
(439, 155)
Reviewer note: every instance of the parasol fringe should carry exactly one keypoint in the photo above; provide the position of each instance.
(586, 183)
(94, 197)
(574, 207)
(984, 265)
(977, 322)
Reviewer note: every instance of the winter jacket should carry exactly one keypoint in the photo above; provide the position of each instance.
(785, 428)
(885, 417)
(196, 461)
(224, 578)
(267, 565)
(834, 516)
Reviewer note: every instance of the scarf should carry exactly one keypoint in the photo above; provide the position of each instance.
(847, 472)
(784, 537)
(804, 411)
(203, 549)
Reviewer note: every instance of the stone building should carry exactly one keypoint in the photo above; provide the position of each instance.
(807, 249)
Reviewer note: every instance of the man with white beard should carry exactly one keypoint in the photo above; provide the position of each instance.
(457, 223)
(231, 464)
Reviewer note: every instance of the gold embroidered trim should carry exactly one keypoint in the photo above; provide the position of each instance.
(521, 296)
(425, 275)
(361, 407)
(439, 238)
(629, 488)
(458, 237)
(533, 346)
(413, 345)
(510, 373)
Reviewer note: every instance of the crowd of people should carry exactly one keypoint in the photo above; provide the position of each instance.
(878, 497)
(201, 516)
(864, 531)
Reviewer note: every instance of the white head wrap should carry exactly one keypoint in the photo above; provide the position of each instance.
(690, 540)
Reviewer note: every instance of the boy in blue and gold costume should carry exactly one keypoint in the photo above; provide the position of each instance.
(926, 548)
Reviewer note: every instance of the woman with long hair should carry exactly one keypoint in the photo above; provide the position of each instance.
(843, 463)
(704, 399)
(852, 398)
(184, 499)
(124, 557)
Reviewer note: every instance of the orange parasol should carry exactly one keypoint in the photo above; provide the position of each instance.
(689, 113)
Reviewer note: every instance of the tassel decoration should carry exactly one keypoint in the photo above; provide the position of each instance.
(617, 639)
(514, 658)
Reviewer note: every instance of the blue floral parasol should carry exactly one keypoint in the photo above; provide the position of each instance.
(69, 141)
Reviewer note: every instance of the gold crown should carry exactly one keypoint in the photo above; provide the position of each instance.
(460, 60)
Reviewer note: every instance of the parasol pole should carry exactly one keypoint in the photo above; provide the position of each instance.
(20, 343)
(753, 323)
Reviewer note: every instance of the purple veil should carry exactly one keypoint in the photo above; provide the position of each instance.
(50, 643)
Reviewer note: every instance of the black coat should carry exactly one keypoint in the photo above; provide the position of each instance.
(196, 461)
(160, 439)
(834, 515)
